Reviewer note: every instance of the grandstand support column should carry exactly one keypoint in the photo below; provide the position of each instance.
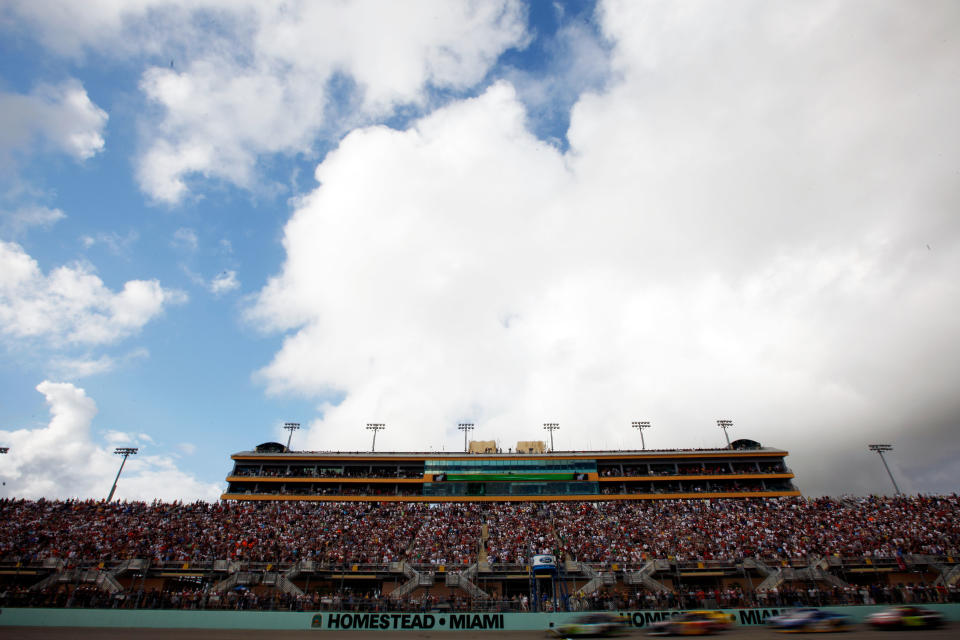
(880, 448)
(125, 452)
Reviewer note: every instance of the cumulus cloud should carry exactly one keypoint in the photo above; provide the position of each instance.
(71, 304)
(268, 76)
(62, 460)
(224, 282)
(61, 117)
(228, 106)
(738, 230)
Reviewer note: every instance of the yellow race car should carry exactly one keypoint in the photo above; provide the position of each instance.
(691, 623)
(721, 618)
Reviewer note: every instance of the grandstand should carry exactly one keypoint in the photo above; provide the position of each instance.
(528, 473)
(486, 531)
(476, 556)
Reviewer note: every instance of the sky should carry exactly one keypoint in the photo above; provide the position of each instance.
(219, 216)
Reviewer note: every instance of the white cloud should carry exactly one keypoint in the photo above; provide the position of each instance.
(738, 231)
(60, 460)
(229, 105)
(20, 220)
(224, 282)
(75, 368)
(267, 77)
(71, 304)
(114, 438)
(61, 117)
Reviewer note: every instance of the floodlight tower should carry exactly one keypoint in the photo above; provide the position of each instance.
(880, 448)
(291, 427)
(126, 452)
(640, 426)
(465, 427)
(725, 424)
(4, 450)
(551, 427)
(375, 426)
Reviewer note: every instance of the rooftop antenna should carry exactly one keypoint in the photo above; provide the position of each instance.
(291, 427)
(375, 426)
(125, 452)
(725, 424)
(465, 427)
(640, 426)
(551, 427)
(880, 448)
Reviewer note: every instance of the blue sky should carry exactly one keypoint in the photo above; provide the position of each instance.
(525, 213)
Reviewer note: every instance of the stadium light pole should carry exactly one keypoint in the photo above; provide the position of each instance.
(725, 424)
(880, 448)
(551, 427)
(465, 427)
(291, 427)
(126, 452)
(375, 426)
(640, 426)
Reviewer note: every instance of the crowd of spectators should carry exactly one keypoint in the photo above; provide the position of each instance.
(314, 471)
(517, 531)
(449, 535)
(624, 532)
(770, 529)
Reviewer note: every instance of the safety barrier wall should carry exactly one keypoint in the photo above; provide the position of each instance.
(343, 621)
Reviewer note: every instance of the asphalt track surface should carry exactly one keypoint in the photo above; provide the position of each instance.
(951, 632)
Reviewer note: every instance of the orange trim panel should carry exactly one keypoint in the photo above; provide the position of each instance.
(579, 498)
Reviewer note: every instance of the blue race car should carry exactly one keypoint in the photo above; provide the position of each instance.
(809, 621)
